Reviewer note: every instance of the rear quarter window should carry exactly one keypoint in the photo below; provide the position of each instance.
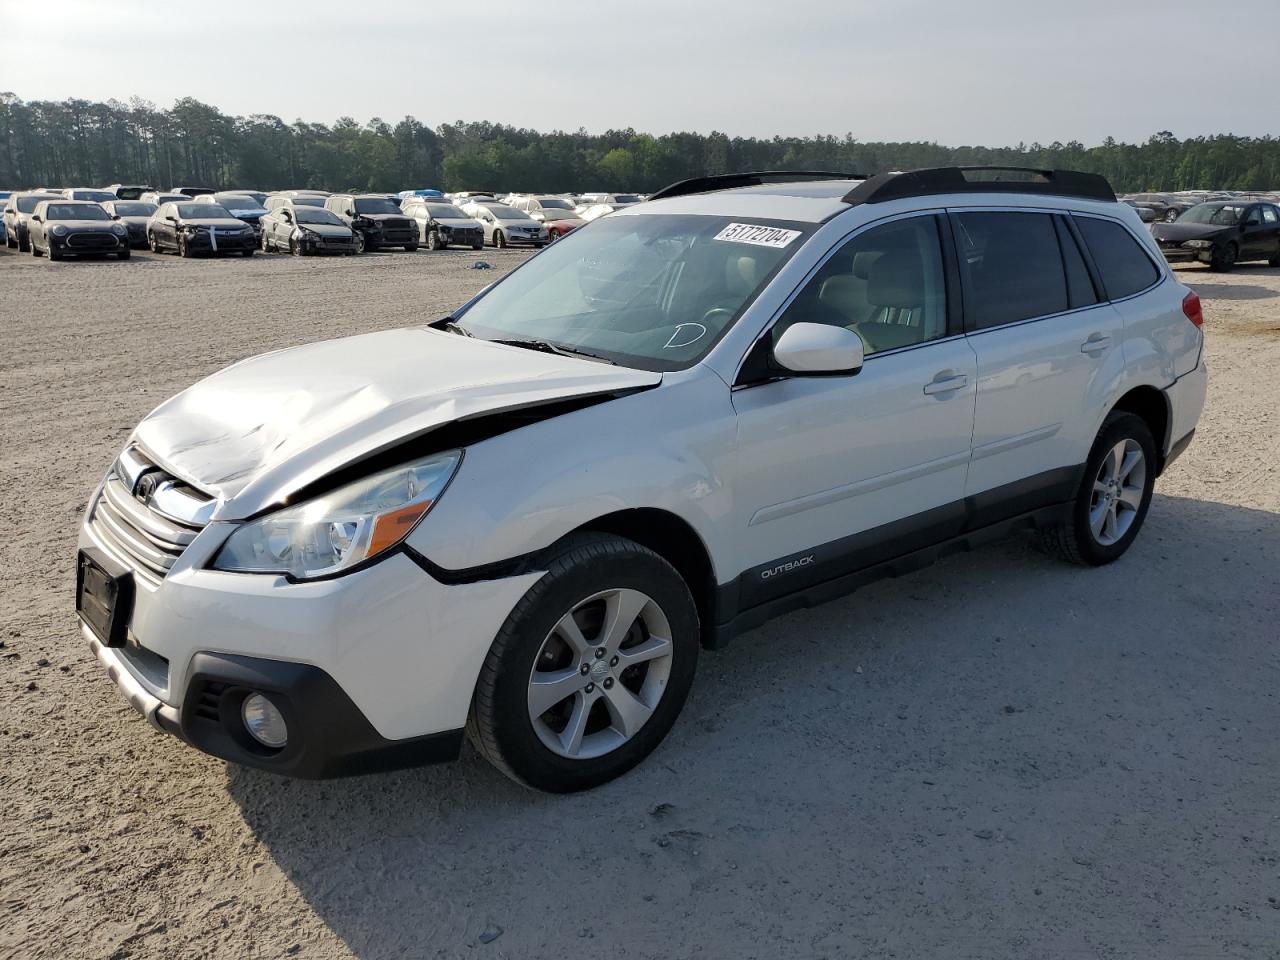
(1123, 264)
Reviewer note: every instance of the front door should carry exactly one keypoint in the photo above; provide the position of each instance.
(839, 473)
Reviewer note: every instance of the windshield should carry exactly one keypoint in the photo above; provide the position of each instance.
(316, 215)
(625, 198)
(203, 211)
(75, 211)
(27, 204)
(654, 292)
(238, 201)
(306, 201)
(507, 213)
(123, 209)
(445, 211)
(380, 205)
(554, 203)
(1211, 213)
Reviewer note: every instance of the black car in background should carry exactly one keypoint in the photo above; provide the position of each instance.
(191, 228)
(376, 219)
(1166, 206)
(135, 215)
(128, 191)
(1222, 233)
(76, 228)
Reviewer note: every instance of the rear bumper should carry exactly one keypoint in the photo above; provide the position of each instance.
(1186, 403)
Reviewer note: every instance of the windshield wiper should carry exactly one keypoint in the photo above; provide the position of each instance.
(450, 324)
(545, 346)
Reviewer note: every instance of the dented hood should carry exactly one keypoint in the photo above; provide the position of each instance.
(254, 433)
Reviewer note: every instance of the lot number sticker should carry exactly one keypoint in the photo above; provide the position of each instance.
(757, 235)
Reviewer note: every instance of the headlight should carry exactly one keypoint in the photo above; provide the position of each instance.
(120, 229)
(1198, 244)
(343, 528)
(58, 231)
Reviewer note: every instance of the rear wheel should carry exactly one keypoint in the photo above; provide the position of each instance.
(152, 243)
(1114, 495)
(1223, 258)
(591, 668)
(1274, 260)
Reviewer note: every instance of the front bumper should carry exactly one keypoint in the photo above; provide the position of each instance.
(462, 237)
(85, 244)
(1186, 254)
(390, 238)
(202, 242)
(526, 238)
(372, 670)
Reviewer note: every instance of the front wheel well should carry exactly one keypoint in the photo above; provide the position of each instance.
(1153, 407)
(673, 539)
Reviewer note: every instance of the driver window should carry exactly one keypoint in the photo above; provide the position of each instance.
(885, 284)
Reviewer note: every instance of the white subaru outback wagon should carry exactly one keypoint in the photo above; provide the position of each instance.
(751, 394)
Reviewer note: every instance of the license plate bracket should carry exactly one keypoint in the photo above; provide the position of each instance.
(104, 596)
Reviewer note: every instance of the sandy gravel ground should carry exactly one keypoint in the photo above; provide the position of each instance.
(1000, 756)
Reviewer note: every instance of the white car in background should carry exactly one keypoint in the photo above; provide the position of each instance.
(504, 226)
(525, 519)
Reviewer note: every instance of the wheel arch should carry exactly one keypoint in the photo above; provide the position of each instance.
(676, 541)
(1152, 406)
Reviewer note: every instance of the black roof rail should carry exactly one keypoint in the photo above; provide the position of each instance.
(938, 180)
(751, 178)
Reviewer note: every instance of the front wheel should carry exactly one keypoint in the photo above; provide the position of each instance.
(24, 243)
(124, 254)
(478, 245)
(500, 239)
(1170, 216)
(183, 249)
(361, 244)
(295, 247)
(265, 242)
(433, 240)
(591, 668)
(248, 253)
(1223, 258)
(1113, 498)
(410, 248)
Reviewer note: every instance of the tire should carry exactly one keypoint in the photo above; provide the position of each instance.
(499, 239)
(539, 245)
(10, 242)
(183, 249)
(410, 248)
(52, 254)
(478, 245)
(152, 243)
(586, 575)
(265, 242)
(24, 245)
(34, 251)
(1170, 215)
(295, 248)
(124, 254)
(1077, 538)
(1274, 261)
(433, 240)
(361, 243)
(1223, 259)
(248, 253)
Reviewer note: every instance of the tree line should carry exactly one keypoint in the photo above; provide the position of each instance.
(88, 143)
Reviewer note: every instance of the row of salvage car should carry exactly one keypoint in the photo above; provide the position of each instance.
(193, 221)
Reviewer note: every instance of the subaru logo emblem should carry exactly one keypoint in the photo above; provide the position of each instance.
(145, 488)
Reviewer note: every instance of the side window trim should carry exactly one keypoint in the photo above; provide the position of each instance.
(1062, 227)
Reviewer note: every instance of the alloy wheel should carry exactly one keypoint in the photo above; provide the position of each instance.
(1117, 492)
(600, 674)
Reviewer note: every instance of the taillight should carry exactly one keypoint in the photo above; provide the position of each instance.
(1191, 307)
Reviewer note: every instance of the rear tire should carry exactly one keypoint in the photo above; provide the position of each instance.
(1113, 498)
(1223, 259)
(621, 712)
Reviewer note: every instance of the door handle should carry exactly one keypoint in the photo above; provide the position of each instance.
(1096, 343)
(943, 384)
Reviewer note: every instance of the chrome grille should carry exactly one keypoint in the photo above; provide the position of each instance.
(148, 516)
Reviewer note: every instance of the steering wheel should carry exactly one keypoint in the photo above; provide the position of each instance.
(709, 318)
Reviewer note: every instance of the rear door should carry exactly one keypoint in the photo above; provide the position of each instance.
(841, 472)
(1048, 355)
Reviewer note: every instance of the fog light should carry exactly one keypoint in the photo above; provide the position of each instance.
(264, 722)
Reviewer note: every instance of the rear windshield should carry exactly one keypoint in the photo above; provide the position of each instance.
(27, 204)
(554, 203)
(308, 201)
(97, 196)
(75, 211)
(625, 198)
(381, 205)
(654, 292)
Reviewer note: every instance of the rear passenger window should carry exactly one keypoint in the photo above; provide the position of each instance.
(1124, 265)
(1269, 215)
(1011, 265)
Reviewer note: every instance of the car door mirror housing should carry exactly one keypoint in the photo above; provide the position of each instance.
(817, 349)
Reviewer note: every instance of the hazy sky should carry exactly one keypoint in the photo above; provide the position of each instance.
(974, 72)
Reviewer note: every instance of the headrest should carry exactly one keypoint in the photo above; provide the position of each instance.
(863, 261)
(895, 281)
(742, 274)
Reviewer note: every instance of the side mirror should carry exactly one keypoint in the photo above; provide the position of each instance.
(814, 349)
(35, 217)
(172, 219)
(115, 216)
